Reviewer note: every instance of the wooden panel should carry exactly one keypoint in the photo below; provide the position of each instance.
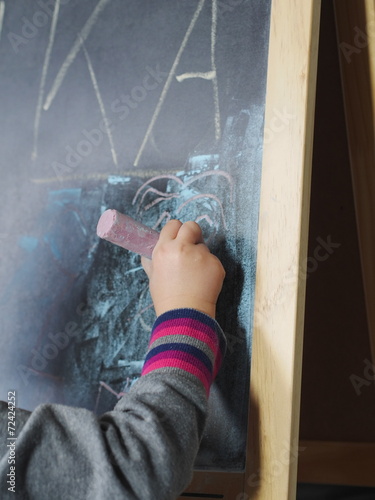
(356, 29)
(282, 246)
(328, 462)
(223, 485)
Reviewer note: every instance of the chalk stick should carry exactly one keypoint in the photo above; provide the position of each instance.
(126, 232)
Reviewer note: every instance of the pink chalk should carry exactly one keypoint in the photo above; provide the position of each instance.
(124, 231)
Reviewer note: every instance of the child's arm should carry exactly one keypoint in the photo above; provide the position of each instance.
(145, 448)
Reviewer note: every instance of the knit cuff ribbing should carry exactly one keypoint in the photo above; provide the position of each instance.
(187, 340)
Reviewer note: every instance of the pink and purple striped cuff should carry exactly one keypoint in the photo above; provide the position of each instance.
(187, 340)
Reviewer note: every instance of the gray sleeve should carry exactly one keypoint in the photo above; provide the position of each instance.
(144, 449)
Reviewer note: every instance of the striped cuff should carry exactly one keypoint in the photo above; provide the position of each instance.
(188, 340)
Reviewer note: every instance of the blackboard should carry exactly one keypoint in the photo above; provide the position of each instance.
(155, 109)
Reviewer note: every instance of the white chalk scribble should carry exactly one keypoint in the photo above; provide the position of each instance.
(42, 84)
(101, 105)
(169, 81)
(81, 38)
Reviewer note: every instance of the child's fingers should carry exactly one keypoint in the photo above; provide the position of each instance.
(190, 232)
(147, 265)
(170, 230)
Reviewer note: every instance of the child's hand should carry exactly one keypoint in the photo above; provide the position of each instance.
(183, 272)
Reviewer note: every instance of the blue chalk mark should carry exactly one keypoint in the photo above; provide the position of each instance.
(80, 223)
(28, 243)
(63, 197)
(53, 246)
(200, 162)
(101, 308)
(133, 270)
(117, 179)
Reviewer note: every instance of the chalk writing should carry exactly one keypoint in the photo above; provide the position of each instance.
(2, 11)
(43, 77)
(169, 81)
(180, 195)
(208, 75)
(81, 37)
(107, 123)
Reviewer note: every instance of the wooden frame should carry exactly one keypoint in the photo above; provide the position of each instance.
(272, 453)
(282, 252)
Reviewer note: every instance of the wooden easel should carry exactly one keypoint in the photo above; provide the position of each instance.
(273, 446)
(272, 457)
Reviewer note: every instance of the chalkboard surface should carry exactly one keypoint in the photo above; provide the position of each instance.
(154, 108)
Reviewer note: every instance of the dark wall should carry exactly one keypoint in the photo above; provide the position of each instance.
(336, 341)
